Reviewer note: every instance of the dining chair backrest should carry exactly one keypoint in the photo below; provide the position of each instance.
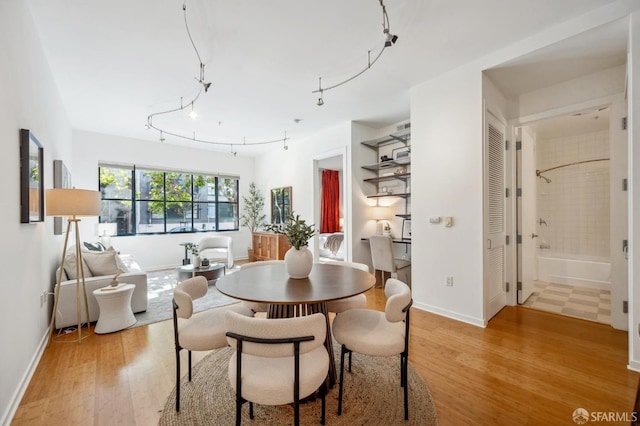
(356, 265)
(398, 297)
(382, 253)
(186, 292)
(261, 263)
(282, 328)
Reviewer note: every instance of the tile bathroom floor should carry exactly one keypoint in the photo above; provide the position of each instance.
(580, 302)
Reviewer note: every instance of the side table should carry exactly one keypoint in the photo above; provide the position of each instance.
(115, 308)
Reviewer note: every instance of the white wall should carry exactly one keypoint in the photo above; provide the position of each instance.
(156, 251)
(446, 134)
(28, 99)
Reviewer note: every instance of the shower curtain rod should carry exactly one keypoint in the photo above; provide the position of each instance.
(570, 164)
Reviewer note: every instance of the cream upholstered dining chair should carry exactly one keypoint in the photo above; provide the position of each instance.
(217, 248)
(201, 331)
(256, 306)
(383, 260)
(353, 302)
(376, 333)
(277, 361)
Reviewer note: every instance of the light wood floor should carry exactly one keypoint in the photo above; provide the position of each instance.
(526, 367)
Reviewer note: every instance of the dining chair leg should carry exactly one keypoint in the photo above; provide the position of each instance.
(189, 365)
(341, 380)
(406, 386)
(177, 379)
(251, 410)
(350, 353)
(323, 393)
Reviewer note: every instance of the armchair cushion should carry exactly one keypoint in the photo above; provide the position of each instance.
(102, 262)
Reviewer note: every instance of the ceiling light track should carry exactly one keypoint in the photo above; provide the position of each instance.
(390, 40)
(204, 85)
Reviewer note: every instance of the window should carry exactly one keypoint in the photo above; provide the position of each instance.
(147, 201)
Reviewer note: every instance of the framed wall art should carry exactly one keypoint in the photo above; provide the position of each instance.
(401, 153)
(61, 179)
(280, 205)
(31, 178)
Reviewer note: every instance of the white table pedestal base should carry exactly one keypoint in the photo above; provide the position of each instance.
(115, 308)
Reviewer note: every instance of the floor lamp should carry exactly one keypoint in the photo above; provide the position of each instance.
(72, 203)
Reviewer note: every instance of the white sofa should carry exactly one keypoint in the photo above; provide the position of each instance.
(66, 313)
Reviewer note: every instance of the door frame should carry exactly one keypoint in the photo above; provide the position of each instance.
(342, 152)
(605, 101)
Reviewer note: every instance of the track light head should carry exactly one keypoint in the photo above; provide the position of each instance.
(146, 126)
(391, 39)
(320, 101)
(206, 86)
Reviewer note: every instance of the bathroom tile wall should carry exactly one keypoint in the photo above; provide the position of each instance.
(575, 204)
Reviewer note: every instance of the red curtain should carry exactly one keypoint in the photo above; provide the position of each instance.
(330, 219)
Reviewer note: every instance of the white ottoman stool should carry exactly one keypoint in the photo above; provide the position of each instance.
(115, 308)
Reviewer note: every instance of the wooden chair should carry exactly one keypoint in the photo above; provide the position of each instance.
(202, 331)
(375, 333)
(277, 361)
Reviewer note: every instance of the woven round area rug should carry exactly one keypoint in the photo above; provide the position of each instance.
(372, 396)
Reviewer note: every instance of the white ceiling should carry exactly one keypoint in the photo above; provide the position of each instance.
(115, 62)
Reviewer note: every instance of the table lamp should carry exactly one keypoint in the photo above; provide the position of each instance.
(72, 203)
(381, 214)
(105, 231)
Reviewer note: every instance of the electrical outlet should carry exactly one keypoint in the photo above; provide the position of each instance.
(43, 298)
(449, 282)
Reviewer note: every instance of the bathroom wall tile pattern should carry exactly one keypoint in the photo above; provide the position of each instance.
(580, 302)
(575, 204)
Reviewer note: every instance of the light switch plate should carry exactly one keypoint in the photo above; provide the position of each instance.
(448, 221)
(434, 219)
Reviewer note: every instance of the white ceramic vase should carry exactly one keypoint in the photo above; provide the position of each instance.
(298, 263)
(197, 261)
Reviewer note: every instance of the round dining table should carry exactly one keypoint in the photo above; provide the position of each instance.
(288, 297)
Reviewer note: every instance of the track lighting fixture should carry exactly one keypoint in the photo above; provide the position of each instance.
(204, 86)
(390, 40)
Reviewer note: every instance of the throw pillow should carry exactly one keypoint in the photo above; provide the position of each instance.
(95, 246)
(102, 262)
(70, 267)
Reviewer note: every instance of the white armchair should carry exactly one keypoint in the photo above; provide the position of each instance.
(217, 248)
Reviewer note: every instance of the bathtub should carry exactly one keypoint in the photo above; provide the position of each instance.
(593, 272)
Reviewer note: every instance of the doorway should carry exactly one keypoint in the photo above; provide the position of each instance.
(564, 215)
(335, 245)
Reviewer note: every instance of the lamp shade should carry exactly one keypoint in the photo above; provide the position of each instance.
(379, 213)
(72, 202)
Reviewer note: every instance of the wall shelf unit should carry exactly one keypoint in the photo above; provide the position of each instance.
(394, 168)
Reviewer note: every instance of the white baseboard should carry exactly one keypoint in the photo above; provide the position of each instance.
(634, 366)
(450, 314)
(7, 416)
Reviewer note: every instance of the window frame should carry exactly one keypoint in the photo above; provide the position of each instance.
(193, 217)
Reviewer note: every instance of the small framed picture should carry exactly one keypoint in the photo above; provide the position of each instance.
(406, 229)
(401, 153)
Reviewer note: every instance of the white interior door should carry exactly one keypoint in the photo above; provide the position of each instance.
(494, 217)
(531, 232)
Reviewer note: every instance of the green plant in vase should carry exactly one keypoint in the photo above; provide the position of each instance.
(298, 259)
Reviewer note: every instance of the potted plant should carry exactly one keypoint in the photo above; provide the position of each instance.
(298, 260)
(193, 249)
(252, 216)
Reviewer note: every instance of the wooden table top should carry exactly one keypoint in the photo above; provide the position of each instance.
(271, 284)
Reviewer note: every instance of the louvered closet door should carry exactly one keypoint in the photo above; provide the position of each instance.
(495, 218)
